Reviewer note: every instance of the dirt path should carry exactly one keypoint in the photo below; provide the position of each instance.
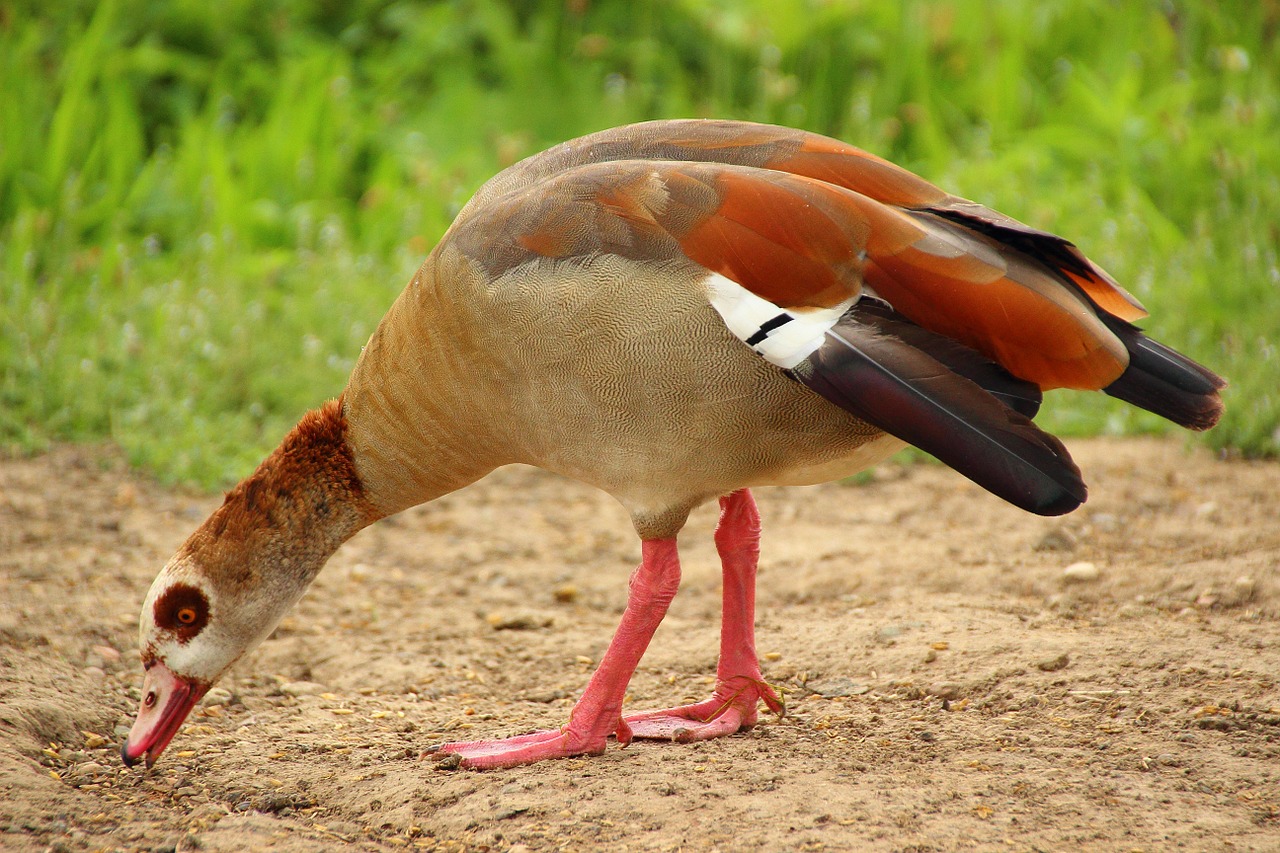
(949, 687)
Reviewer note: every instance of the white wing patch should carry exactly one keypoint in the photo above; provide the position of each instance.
(784, 336)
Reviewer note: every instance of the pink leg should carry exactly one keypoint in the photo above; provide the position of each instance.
(598, 713)
(739, 684)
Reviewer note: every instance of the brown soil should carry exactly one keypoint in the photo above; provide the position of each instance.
(948, 686)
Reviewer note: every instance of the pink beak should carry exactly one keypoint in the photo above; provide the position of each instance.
(166, 701)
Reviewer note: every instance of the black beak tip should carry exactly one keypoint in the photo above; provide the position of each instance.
(124, 755)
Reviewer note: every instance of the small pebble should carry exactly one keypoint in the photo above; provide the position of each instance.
(946, 690)
(1080, 573)
(1054, 664)
(1208, 598)
(302, 688)
(889, 634)
(1055, 540)
(510, 812)
(1105, 521)
(107, 653)
(545, 696)
(517, 621)
(566, 593)
(217, 696)
(834, 687)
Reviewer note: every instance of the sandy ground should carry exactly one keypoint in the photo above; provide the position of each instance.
(955, 678)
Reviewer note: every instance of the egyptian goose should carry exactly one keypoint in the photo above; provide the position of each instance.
(673, 312)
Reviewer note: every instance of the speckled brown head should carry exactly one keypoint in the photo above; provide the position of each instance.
(231, 582)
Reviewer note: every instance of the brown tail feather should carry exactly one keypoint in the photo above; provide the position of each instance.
(1162, 380)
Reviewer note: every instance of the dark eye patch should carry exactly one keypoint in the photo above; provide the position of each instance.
(182, 609)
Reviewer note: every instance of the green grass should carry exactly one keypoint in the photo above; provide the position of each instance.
(206, 208)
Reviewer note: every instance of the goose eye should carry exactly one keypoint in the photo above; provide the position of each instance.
(182, 609)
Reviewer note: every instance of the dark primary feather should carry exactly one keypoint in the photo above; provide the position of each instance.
(908, 393)
(1018, 394)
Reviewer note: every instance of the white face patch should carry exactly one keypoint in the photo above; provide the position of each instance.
(202, 651)
(785, 337)
(230, 626)
(197, 655)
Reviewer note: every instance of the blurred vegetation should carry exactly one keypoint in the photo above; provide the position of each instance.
(206, 208)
